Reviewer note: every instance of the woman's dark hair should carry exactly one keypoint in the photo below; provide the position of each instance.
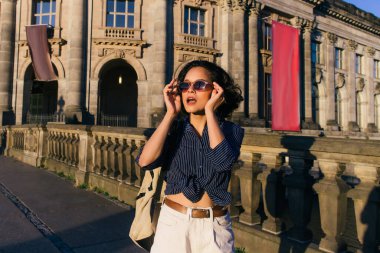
(232, 92)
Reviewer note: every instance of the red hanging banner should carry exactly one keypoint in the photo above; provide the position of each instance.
(285, 78)
(39, 51)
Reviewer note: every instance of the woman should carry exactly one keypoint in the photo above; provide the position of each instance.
(198, 155)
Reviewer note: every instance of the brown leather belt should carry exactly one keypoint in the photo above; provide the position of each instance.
(196, 212)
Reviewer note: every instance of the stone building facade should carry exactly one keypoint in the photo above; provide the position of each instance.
(112, 58)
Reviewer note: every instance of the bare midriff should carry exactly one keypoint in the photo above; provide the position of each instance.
(180, 198)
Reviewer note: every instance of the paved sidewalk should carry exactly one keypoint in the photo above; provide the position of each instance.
(41, 212)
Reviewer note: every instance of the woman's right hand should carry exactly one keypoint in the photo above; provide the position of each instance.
(172, 98)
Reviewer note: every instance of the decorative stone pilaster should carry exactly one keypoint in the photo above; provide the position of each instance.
(7, 31)
(366, 197)
(307, 33)
(76, 72)
(299, 187)
(351, 85)
(273, 191)
(253, 80)
(159, 61)
(332, 198)
(371, 126)
(331, 122)
(239, 8)
(249, 188)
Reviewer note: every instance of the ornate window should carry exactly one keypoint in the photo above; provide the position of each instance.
(194, 21)
(377, 111)
(338, 58)
(359, 64)
(315, 104)
(44, 12)
(338, 107)
(359, 111)
(376, 69)
(268, 97)
(316, 53)
(267, 37)
(120, 13)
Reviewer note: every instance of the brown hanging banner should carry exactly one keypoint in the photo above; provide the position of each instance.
(39, 51)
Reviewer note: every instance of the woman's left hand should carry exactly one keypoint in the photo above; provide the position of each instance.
(216, 99)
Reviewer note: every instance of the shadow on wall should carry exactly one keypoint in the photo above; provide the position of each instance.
(371, 218)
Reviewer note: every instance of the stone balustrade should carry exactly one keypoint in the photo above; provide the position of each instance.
(194, 40)
(122, 33)
(313, 194)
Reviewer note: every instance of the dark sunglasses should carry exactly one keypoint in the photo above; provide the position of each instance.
(198, 85)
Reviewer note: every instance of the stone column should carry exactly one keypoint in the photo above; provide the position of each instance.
(159, 61)
(332, 195)
(351, 87)
(76, 66)
(371, 126)
(366, 197)
(273, 191)
(238, 52)
(253, 58)
(299, 188)
(331, 122)
(308, 124)
(249, 188)
(7, 31)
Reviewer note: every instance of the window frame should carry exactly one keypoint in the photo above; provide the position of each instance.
(338, 62)
(268, 97)
(358, 64)
(115, 13)
(41, 14)
(376, 69)
(187, 23)
(317, 51)
(267, 36)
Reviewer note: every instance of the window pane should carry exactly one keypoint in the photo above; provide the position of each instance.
(46, 6)
(53, 20)
(186, 21)
(37, 22)
(120, 5)
(120, 20)
(131, 21)
(38, 7)
(131, 6)
(201, 30)
(193, 14)
(109, 21)
(53, 6)
(193, 29)
(202, 16)
(45, 20)
(110, 5)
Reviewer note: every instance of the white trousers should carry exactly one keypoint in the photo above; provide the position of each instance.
(180, 233)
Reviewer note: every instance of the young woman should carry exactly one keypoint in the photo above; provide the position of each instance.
(198, 156)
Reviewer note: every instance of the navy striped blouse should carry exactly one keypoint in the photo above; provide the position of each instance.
(193, 167)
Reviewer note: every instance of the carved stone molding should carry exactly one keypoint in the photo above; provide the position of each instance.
(225, 4)
(254, 7)
(332, 38)
(340, 80)
(266, 57)
(239, 5)
(318, 72)
(317, 36)
(120, 53)
(298, 22)
(352, 45)
(377, 89)
(370, 51)
(360, 83)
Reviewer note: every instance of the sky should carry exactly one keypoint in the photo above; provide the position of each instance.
(372, 6)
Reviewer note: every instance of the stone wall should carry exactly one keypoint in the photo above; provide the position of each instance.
(290, 192)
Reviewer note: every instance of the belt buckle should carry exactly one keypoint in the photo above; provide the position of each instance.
(205, 211)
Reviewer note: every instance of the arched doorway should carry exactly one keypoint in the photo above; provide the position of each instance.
(117, 94)
(39, 99)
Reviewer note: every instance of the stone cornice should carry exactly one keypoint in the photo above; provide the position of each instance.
(351, 15)
(314, 2)
(119, 42)
(202, 50)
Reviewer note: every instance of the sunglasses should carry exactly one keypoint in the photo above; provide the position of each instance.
(198, 85)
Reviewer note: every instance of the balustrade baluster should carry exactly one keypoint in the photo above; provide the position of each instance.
(120, 159)
(332, 196)
(139, 173)
(113, 172)
(273, 191)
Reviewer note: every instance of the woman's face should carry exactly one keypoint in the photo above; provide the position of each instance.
(195, 101)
